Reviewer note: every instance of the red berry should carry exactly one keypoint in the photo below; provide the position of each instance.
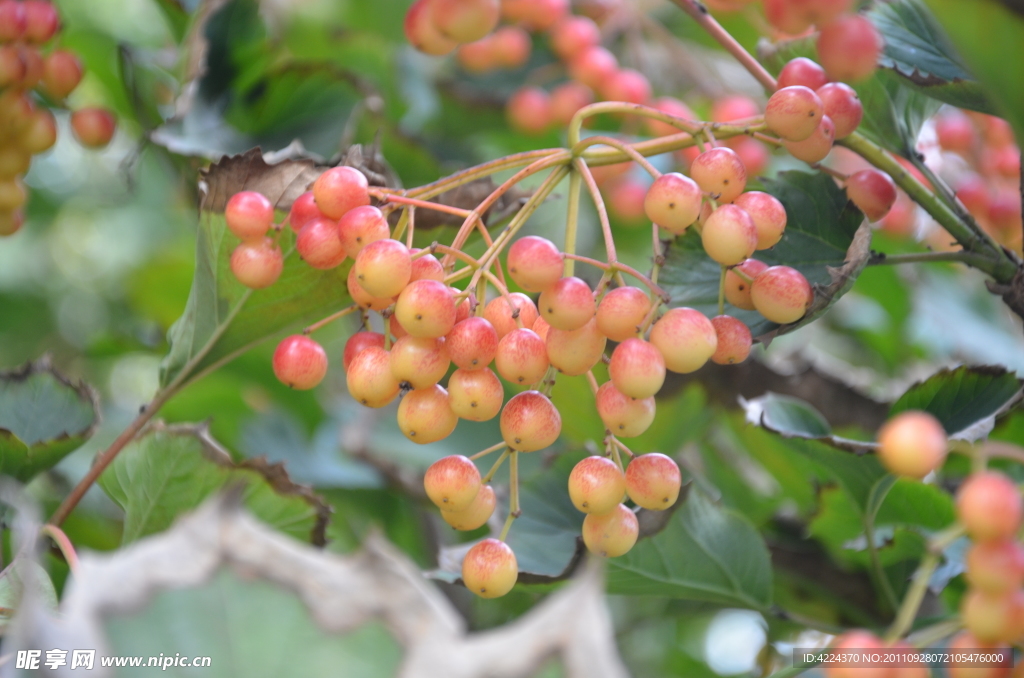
(426, 308)
(568, 304)
(529, 110)
(12, 195)
(490, 569)
(912, 444)
(425, 267)
(575, 352)
(500, 315)
(611, 534)
(359, 342)
(729, 235)
(384, 267)
(768, 214)
(476, 514)
(363, 298)
(299, 362)
(989, 506)
(12, 68)
(787, 16)
(249, 215)
(567, 99)
(856, 641)
(734, 340)
(422, 33)
(339, 190)
(849, 47)
(802, 71)
(537, 15)
(593, 66)
(62, 71)
(530, 422)
(479, 56)
(318, 244)
(452, 483)
(673, 107)
(816, 147)
(93, 127)
(34, 66)
(996, 566)
(425, 417)
(994, 618)
(964, 642)
(626, 85)
(511, 46)
(303, 211)
(621, 312)
(626, 201)
(475, 395)
(955, 132)
(257, 263)
(781, 294)
(522, 358)
(465, 20)
(41, 21)
(673, 202)
(753, 153)
(534, 263)
(842, 105)
(572, 35)
(872, 191)
(721, 173)
(420, 362)
(369, 377)
(637, 368)
(360, 226)
(12, 20)
(793, 112)
(472, 343)
(734, 107)
(623, 416)
(686, 339)
(596, 485)
(653, 481)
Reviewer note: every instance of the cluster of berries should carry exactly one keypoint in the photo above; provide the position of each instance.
(27, 127)
(989, 507)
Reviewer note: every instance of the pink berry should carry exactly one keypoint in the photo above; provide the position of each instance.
(673, 202)
(12, 20)
(802, 71)
(849, 47)
(318, 244)
(729, 235)
(593, 67)
(535, 263)
(537, 15)
(781, 294)
(303, 211)
(913, 443)
(872, 191)
(360, 226)
(419, 362)
(299, 362)
(842, 106)
(452, 483)
(93, 127)
(41, 21)
(249, 215)
(673, 107)
(734, 107)
(637, 368)
(503, 318)
(768, 214)
(384, 267)
(623, 416)
(596, 485)
(363, 298)
(522, 357)
(339, 190)
(425, 308)
(359, 342)
(465, 20)
(611, 534)
(511, 46)
(530, 422)
(686, 339)
(816, 147)
(721, 173)
(257, 263)
(490, 569)
(627, 85)
(621, 312)
(572, 35)
(989, 506)
(567, 99)
(479, 56)
(62, 71)
(422, 33)
(369, 378)
(424, 415)
(955, 132)
(475, 395)
(793, 112)
(734, 340)
(575, 352)
(472, 343)
(568, 304)
(653, 481)
(529, 110)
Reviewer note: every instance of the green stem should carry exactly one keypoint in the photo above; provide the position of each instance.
(963, 256)
(572, 220)
(912, 600)
(994, 260)
(513, 503)
(721, 291)
(497, 464)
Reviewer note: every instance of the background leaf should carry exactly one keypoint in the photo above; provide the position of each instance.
(961, 397)
(169, 470)
(43, 417)
(820, 228)
(705, 553)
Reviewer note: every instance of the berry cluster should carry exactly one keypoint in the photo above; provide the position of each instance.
(990, 510)
(27, 127)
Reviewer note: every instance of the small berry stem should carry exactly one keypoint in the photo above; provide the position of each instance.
(602, 211)
(625, 148)
(484, 453)
(513, 503)
(740, 274)
(572, 219)
(410, 233)
(622, 447)
(576, 124)
(387, 196)
(476, 172)
(592, 380)
(503, 290)
(831, 172)
(331, 318)
(403, 223)
(448, 251)
(721, 290)
(67, 549)
(497, 464)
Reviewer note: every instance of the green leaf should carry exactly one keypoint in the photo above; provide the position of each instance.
(43, 418)
(544, 538)
(990, 37)
(223, 318)
(858, 475)
(270, 629)
(169, 470)
(705, 553)
(962, 397)
(793, 417)
(820, 229)
(920, 52)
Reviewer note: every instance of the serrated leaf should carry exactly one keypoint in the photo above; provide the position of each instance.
(821, 227)
(43, 418)
(705, 553)
(169, 470)
(918, 50)
(223, 318)
(962, 397)
(795, 418)
(990, 37)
